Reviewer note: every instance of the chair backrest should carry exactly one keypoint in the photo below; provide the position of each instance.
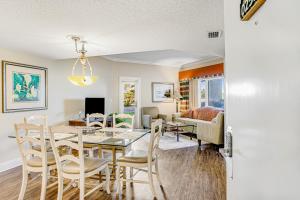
(154, 139)
(37, 120)
(26, 142)
(124, 123)
(67, 156)
(98, 116)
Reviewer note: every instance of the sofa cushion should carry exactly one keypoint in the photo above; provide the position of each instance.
(187, 114)
(207, 113)
(188, 121)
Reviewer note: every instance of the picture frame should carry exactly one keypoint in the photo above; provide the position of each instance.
(162, 92)
(24, 87)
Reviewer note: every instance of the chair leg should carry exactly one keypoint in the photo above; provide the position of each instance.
(118, 179)
(24, 184)
(199, 143)
(91, 152)
(107, 181)
(131, 172)
(157, 172)
(150, 177)
(81, 185)
(44, 184)
(60, 187)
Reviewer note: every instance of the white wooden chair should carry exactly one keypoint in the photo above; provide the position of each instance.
(74, 167)
(96, 123)
(34, 160)
(139, 160)
(123, 124)
(39, 120)
(89, 147)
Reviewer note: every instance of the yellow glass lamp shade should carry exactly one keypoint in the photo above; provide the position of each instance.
(82, 81)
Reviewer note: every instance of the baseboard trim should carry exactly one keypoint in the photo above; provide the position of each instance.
(10, 164)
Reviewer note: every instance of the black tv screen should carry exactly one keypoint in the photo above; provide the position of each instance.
(94, 105)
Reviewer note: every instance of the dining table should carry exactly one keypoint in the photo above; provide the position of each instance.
(115, 140)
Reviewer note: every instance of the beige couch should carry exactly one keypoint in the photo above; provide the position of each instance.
(209, 124)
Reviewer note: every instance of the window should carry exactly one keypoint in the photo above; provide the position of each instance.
(211, 92)
(216, 93)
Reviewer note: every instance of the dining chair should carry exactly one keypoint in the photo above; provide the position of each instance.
(139, 159)
(75, 167)
(124, 120)
(34, 160)
(101, 122)
(38, 120)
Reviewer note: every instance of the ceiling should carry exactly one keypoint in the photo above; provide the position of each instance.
(165, 32)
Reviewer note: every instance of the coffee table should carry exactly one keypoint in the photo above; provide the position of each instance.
(176, 127)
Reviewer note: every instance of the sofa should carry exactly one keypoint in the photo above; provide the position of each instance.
(150, 114)
(209, 123)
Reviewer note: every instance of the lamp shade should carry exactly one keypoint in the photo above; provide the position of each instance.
(82, 81)
(86, 77)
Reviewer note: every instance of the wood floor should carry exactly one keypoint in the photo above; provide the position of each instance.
(187, 174)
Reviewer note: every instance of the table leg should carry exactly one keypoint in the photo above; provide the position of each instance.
(100, 151)
(192, 132)
(114, 162)
(100, 156)
(124, 169)
(177, 132)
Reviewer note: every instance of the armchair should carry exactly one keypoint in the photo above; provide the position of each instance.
(150, 114)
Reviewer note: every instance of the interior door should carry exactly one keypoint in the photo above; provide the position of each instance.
(262, 67)
(129, 101)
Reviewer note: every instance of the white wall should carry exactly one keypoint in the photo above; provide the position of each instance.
(107, 86)
(262, 67)
(66, 100)
(8, 149)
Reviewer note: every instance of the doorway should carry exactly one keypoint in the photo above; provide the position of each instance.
(130, 97)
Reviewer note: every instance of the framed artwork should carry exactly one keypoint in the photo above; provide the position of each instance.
(24, 87)
(162, 92)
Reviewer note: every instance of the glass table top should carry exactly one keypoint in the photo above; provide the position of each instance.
(107, 136)
(113, 136)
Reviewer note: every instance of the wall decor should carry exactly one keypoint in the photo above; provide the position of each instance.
(162, 92)
(249, 7)
(24, 87)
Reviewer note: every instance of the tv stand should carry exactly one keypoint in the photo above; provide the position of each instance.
(82, 122)
(77, 122)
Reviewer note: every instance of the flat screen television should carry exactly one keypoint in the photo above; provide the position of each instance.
(94, 105)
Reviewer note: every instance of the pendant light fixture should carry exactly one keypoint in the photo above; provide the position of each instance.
(86, 77)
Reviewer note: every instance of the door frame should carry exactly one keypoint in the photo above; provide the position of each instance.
(138, 93)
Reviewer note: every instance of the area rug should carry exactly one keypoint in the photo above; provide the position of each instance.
(168, 141)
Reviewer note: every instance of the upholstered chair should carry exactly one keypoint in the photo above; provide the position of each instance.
(151, 114)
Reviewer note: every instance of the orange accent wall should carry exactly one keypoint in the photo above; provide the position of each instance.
(203, 71)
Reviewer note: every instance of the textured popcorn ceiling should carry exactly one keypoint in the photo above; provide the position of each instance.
(113, 27)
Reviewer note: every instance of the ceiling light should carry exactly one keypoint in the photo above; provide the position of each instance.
(85, 78)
